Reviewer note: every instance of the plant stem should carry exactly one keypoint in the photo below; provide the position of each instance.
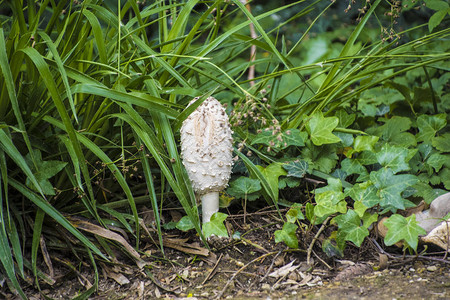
(210, 205)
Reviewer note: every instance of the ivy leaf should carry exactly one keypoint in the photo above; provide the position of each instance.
(429, 126)
(391, 186)
(366, 193)
(363, 143)
(43, 171)
(349, 225)
(185, 224)
(360, 208)
(215, 226)
(401, 228)
(271, 173)
(320, 129)
(345, 119)
(352, 166)
(442, 143)
(243, 187)
(287, 235)
(297, 168)
(291, 137)
(295, 213)
(444, 175)
(289, 182)
(393, 157)
(436, 160)
(328, 203)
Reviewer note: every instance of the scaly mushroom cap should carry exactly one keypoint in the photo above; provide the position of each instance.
(206, 147)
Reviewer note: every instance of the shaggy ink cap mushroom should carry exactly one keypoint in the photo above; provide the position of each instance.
(206, 151)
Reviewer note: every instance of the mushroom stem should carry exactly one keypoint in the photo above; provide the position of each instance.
(210, 205)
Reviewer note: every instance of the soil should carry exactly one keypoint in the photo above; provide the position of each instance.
(251, 267)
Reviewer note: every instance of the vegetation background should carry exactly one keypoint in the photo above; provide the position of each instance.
(93, 93)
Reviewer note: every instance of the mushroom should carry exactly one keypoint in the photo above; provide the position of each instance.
(206, 151)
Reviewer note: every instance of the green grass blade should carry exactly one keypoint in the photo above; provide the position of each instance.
(56, 215)
(37, 229)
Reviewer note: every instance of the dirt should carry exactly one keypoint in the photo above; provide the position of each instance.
(253, 267)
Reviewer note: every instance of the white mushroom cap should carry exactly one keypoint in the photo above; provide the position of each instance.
(206, 147)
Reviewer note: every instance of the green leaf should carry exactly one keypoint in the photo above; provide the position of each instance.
(391, 186)
(328, 203)
(243, 187)
(366, 193)
(349, 225)
(295, 213)
(401, 228)
(360, 208)
(297, 168)
(216, 226)
(436, 160)
(429, 126)
(352, 166)
(393, 157)
(320, 129)
(331, 249)
(444, 175)
(271, 174)
(280, 141)
(442, 143)
(44, 171)
(345, 119)
(437, 18)
(365, 142)
(287, 235)
(185, 224)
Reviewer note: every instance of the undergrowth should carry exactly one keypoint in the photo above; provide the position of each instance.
(93, 94)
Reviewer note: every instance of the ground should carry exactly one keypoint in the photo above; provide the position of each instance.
(254, 267)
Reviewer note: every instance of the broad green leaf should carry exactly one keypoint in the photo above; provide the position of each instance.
(44, 171)
(297, 168)
(271, 173)
(436, 160)
(287, 235)
(444, 175)
(290, 182)
(243, 187)
(403, 229)
(360, 208)
(215, 226)
(365, 142)
(436, 4)
(391, 186)
(345, 119)
(185, 224)
(369, 218)
(320, 129)
(349, 225)
(437, 18)
(425, 191)
(366, 193)
(334, 184)
(295, 213)
(429, 126)
(280, 141)
(393, 127)
(352, 166)
(442, 143)
(328, 203)
(393, 157)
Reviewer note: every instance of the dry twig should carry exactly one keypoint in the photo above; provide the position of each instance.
(310, 248)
